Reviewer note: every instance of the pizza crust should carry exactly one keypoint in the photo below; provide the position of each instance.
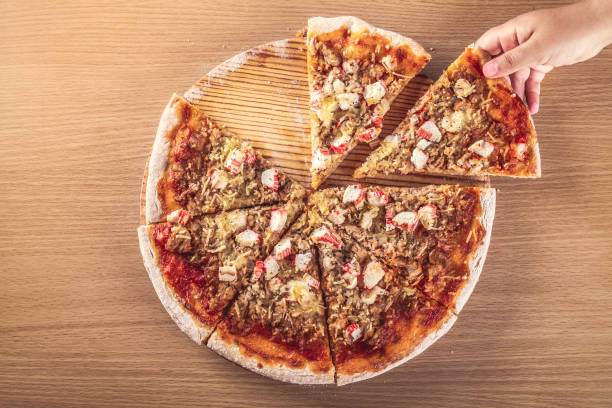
(183, 319)
(487, 202)
(159, 161)
(275, 371)
(343, 379)
(321, 25)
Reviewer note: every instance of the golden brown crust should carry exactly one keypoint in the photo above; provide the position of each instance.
(412, 334)
(259, 354)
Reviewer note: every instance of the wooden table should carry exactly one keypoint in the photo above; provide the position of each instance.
(82, 90)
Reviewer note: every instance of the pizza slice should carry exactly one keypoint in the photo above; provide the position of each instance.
(377, 318)
(201, 167)
(198, 264)
(354, 73)
(465, 124)
(437, 236)
(276, 327)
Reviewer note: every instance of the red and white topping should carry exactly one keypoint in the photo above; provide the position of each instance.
(250, 157)
(269, 178)
(228, 273)
(429, 131)
(366, 135)
(351, 269)
(377, 121)
(353, 194)
(369, 296)
(428, 215)
(283, 249)
(337, 217)
(312, 282)
(324, 234)
(373, 273)
(237, 220)
(340, 144)
(321, 158)
(520, 150)
(375, 92)
(419, 158)
(316, 96)
(377, 197)
(271, 267)
(389, 223)
(247, 238)
(482, 148)
(302, 261)
(234, 161)
(179, 217)
(406, 220)
(217, 179)
(278, 219)
(257, 271)
(353, 332)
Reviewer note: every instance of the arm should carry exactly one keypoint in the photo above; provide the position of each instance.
(532, 44)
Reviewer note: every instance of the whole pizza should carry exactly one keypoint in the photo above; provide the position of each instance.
(337, 284)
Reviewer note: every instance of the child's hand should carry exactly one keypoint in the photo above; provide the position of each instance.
(532, 44)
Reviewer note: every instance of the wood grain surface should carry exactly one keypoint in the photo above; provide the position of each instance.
(82, 90)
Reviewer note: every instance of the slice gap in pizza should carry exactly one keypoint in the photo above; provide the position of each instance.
(201, 167)
(276, 327)
(465, 124)
(355, 71)
(377, 318)
(436, 236)
(198, 264)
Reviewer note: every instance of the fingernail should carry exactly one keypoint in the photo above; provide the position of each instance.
(490, 69)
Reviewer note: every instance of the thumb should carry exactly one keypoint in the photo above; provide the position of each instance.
(510, 61)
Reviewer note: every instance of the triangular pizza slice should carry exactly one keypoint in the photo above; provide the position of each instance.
(354, 73)
(437, 236)
(466, 124)
(276, 327)
(198, 264)
(377, 318)
(201, 167)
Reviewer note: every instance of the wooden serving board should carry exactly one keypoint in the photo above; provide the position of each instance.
(262, 96)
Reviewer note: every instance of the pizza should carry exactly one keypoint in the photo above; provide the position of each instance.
(377, 318)
(201, 167)
(340, 284)
(198, 264)
(437, 236)
(277, 325)
(465, 124)
(355, 71)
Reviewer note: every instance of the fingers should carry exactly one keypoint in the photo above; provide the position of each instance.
(511, 61)
(518, 81)
(532, 90)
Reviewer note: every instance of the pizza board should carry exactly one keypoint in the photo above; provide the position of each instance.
(262, 96)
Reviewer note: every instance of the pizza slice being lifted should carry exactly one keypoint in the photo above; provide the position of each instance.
(354, 73)
(198, 264)
(377, 318)
(200, 167)
(466, 124)
(276, 327)
(436, 236)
